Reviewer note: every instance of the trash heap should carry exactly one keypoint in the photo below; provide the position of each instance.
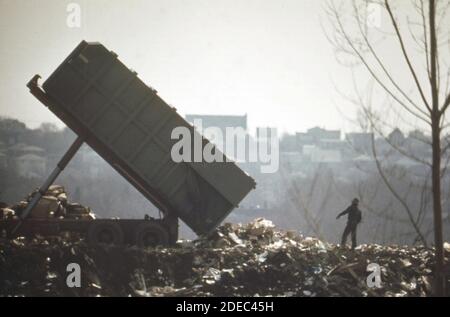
(53, 204)
(253, 259)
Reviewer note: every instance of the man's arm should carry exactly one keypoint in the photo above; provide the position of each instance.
(346, 211)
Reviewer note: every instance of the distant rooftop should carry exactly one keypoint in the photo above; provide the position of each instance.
(26, 148)
(321, 130)
(30, 157)
(220, 121)
(317, 134)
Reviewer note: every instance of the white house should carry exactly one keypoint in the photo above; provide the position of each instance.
(30, 165)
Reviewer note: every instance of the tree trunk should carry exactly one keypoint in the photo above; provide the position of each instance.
(437, 209)
(436, 164)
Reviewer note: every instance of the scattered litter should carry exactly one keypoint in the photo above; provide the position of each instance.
(254, 259)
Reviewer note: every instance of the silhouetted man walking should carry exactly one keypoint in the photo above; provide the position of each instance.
(353, 219)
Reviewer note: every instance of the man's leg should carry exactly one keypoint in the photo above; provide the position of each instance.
(344, 235)
(354, 237)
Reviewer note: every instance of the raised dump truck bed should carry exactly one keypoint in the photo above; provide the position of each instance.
(130, 126)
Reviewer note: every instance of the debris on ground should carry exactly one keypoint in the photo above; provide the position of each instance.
(253, 259)
(53, 204)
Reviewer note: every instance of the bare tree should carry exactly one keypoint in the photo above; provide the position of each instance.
(417, 33)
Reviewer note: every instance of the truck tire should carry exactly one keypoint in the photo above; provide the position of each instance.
(150, 235)
(105, 233)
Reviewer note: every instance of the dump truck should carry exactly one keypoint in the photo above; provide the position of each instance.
(130, 126)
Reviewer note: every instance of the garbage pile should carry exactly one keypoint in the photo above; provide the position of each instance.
(253, 259)
(53, 204)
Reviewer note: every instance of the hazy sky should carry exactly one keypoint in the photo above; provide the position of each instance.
(269, 59)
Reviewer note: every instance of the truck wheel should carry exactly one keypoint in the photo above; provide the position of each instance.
(105, 233)
(151, 235)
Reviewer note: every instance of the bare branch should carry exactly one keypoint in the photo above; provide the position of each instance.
(421, 115)
(425, 36)
(375, 127)
(396, 195)
(381, 64)
(446, 104)
(406, 56)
